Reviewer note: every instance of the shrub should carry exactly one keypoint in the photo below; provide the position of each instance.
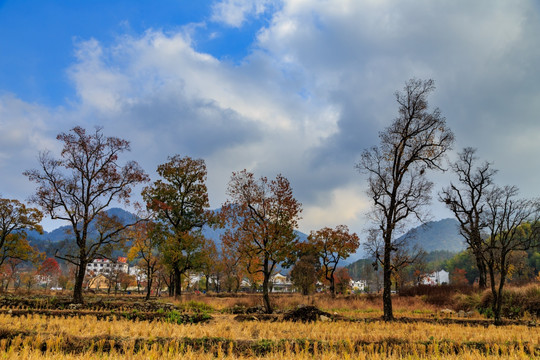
(439, 295)
(467, 302)
(197, 306)
(516, 301)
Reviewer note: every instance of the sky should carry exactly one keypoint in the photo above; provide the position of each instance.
(296, 87)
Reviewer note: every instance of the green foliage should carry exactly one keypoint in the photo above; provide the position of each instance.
(464, 261)
(176, 317)
(357, 268)
(198, 307)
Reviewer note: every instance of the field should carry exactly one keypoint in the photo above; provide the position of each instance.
(231, 327)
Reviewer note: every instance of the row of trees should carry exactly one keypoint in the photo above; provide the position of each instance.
(44, 273)
(496, 224)
(260, 216)
(493, 220)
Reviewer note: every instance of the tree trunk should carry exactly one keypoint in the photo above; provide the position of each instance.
(148, 288)
(266, 283)
(79, 279)
(498, 308)
(482, 271)
(207, 283)
(171, 284)
(332, 285)
(266, 295)
(494, 293)
(177, 283)
(387, 283)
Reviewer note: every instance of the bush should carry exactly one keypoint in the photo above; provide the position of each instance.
(467, 302)
(177, 317)
(439, 295)
(197, 306)
(516, 301)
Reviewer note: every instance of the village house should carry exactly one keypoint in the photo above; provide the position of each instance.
(106, 266)
(281, 284)
(359, 285)
(437, 278)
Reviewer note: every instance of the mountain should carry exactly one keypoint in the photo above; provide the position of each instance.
(215, 234)
(48, 240)
(440, 239)
(437, 235)
(63, 232)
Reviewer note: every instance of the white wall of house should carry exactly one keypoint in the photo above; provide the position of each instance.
(437, 278)
(359, 285)
(106, 266)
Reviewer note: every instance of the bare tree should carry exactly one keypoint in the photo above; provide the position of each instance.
(403, 253)
(416, 141)
(467, 201)
(513, 225)
(79, 186)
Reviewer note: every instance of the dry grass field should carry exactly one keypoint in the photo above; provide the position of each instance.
(45, 328)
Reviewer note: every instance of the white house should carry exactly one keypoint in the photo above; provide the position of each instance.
(437, 278)
(106, 266)
(359, 285)
(281, 283)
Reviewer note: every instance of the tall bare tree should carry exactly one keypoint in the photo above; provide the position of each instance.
(403, 253)
(79, 186)
(467, 200)
(513, 225)
(416, 141)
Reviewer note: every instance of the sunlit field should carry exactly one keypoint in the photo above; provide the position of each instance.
(110, 328)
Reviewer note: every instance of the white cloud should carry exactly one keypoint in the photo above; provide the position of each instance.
(344, 205)
(313, 92)
(235, 12)
(25, 130)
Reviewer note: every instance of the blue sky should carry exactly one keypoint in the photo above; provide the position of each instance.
(273, 86)
(42, 36)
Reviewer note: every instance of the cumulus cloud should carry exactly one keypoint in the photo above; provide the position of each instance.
(356, 54)
(235, 12)
(312, 94)
(25, 130)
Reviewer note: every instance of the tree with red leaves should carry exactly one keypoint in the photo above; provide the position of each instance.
(262, 215)
(79, 186)
(49, 270)
(332, 246)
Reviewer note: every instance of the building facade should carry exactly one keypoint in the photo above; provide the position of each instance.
(106, 266)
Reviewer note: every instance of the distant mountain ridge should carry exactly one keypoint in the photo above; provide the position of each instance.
(437, 235)
(441, 238)
(63, 232)
(48, 239)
